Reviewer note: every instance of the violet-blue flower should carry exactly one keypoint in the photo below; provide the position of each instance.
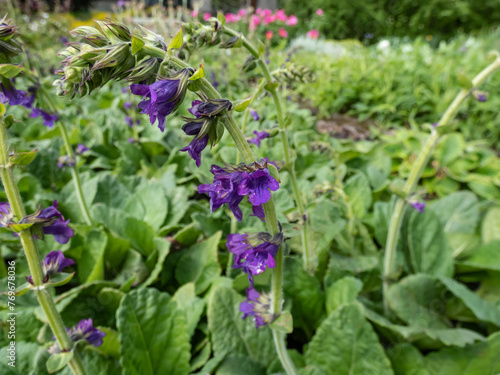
(48, 119)
(6, 214)
(81, 148)
(162, 97)
(255, 115)
(51, 222)
(259, 136)
(258, 306)
(258, 186)
(8, 93)
(53, 263)
(419, 206)
(84, 330)
(255, 252)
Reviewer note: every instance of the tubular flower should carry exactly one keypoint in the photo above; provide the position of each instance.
(254, 252)
(50, 221)
(48, 119)
(231, 184)
(162, 97)
(84, 330)
(259, 136)
(419, 206)
(9, 94)
(258, 306)
(53, 263)
(205, 126)
(6, 214)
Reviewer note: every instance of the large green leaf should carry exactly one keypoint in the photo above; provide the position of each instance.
(342, 292)
(111, 192)
(485, 257)
(458, 212)
(478, 359)
(345, 344)
(407, 360)
(191, 305)
(358, 190)
(91, 263)
(153, 334)
(450, 147)
(231, 334)
(95, 363)
(490, 228)
(199, 264)
(426, 248)
(149, 204)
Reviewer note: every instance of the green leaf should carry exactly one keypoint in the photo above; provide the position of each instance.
(152, 333)
(464, 81)
(241, 105)
(9, 71)
(140, 234)
(200, 72)
(490, 228)
(426, 249)
(450, 147)
(163, 249)
(357, 188)
(261, 48)
(176, 41)
(231, 334)
(407, 360)
(345, 343)
(486, 257)
(111, 192)
(19, 227)
(24, 358)
(191, 305)
(95, 363)
(458, 212)
(284, 323)
(58, 361)
(137, 44)
(60, 279)
(478, 359)
(150, 204)
(238, 364)
(23, 158)
(221, 18)
(199, 264)
(91, 264)
(342, 292)
(413, 299)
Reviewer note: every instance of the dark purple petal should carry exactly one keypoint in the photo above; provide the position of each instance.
(259, 136)
(257, 185)
(419, 206)
(194, 108)
(60, 230)
(48, 119)
(80, 149)
(84, 330)
(195, 148)
(258, 306)
(255, 115)
(8, 93)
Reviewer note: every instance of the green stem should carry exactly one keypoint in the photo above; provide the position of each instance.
(308, 256)
(32, 254)
(271, 219)
(415, 175)
(74, 170)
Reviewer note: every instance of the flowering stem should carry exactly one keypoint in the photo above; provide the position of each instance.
(290, 164)
(74, 170)
(32, 255)
(269, 208)
(415, 174)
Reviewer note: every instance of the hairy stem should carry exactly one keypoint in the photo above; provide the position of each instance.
(416, 172)
(269, 208)
(32, 255)
(308, 256)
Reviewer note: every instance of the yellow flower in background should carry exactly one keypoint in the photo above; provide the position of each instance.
(89, 22)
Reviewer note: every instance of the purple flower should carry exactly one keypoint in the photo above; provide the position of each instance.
(419, 206)
(253, 253)
(258, 306)
(48, 119)
(80, 149)
(255, 115)
(258, 186)
(127, 105)
(481, 97)
(214, 80)
(224, 190)
(8, 93)
(259, 136)
(65, 161)
(231, 184)
(53, 263)
(131, 140)
(195, 148)
(53, 223)
(85, 331)
(6, 214)
(162, 97)
(435, 124)
(63, 39)
(129, 121)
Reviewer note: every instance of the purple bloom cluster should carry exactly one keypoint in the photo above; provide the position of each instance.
(84, 330)
(258, 306)
(48, 119)
(259, 136)
(232, 184)
(253, 253)
(162, 97)
(419, 206)
(53, 263)
(6, 214)
(52, 222)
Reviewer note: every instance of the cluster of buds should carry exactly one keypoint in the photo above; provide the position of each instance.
(197, 35)
(114, 53)
(9, 47)
(291, 73)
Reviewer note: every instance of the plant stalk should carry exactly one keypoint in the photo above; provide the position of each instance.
(307, 252)
(416, 173)
(33, 256)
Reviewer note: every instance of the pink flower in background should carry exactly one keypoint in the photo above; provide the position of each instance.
(194, 14)
(283, 33)
(281, 16)
(254, 22)
(319, 12)
(269, 34)
(266, 13)
(313, 34)
(206, 16)
(269, 19)
(258, 11)
(292, 20)
(232, 18)
(242, 12)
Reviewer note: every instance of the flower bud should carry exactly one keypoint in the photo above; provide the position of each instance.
(249, 64)
(144, 70)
